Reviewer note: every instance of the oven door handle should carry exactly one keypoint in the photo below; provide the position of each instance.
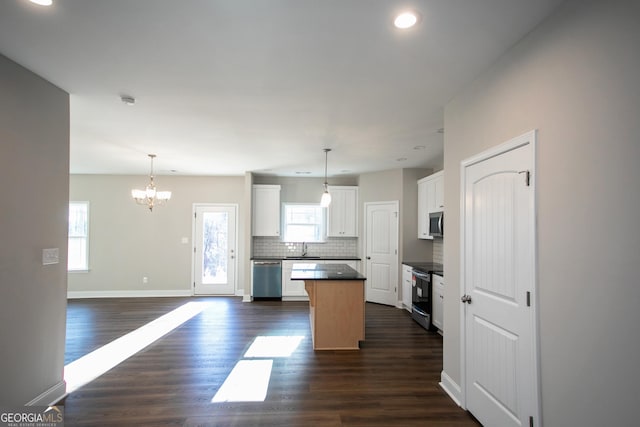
(419, 311)
(423, 276)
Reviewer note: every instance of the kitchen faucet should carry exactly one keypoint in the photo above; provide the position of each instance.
(304, 249)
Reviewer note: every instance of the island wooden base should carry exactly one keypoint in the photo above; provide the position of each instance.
(336, 313)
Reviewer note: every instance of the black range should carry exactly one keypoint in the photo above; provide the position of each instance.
(421, 291)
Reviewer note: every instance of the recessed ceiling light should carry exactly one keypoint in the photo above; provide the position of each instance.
(42, 2)
(406, 20)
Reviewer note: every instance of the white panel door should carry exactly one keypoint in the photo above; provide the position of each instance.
(382, 252)
(214, 250)
(498, 219)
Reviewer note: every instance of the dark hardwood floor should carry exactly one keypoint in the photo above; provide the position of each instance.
(391, 381)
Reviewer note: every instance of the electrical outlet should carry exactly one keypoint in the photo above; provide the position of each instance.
(145, 279)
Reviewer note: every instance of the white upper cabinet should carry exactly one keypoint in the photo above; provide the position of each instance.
(342, 214)
(266, 210)
(430, 199)
(423, 214)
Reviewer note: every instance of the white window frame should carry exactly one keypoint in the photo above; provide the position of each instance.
(83, 245)
(322, 231)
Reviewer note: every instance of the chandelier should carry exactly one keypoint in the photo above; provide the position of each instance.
(150, 196)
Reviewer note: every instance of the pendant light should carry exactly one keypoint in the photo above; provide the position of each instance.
(326, 197)
(150, 196)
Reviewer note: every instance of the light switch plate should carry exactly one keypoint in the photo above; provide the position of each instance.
(50, 256)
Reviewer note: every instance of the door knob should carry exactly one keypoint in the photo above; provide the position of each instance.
(466, 298)
(368, 257)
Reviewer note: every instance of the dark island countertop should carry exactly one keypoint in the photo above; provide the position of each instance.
(313, 271)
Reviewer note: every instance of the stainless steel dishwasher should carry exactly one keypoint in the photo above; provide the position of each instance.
(267, 280)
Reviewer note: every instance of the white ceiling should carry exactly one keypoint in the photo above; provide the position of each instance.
(223, 87)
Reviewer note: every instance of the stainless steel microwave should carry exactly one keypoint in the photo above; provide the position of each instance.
(436, 224)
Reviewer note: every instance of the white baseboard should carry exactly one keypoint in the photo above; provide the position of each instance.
(451, 388)
(299, 298)
(246, 298)
(51, 396)
(129, 294)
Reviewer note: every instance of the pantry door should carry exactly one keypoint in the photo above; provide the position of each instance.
(381, 251)
(499, 285)
(214, 251)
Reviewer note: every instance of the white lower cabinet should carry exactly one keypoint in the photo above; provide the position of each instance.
(438, 302)
(292, 288)
(407, 276)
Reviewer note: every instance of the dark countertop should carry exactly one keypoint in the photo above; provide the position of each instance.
(309, 258)
(426, 267)
(312, 271)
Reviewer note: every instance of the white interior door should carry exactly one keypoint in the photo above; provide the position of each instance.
(499, 283)
(381, 252)
(214, 250)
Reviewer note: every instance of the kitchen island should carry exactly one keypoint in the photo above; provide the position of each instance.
(336, 304)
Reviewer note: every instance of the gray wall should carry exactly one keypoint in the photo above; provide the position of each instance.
(127, 242)
(34, 170)
(575, 79)
(412, 248)
(400, 185)
(302, 190)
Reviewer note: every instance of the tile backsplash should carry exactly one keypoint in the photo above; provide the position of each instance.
(438, 251)
(274, 247)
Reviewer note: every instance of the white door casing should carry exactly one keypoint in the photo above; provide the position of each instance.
(381, 252)
(214, 249)
(498, 249)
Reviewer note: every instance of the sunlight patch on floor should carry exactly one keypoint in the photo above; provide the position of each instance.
(249, 379)
(273, 346)
(247, 382)
(91, 366)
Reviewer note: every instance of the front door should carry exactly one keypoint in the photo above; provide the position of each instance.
(501, 386)
(214, 249)
(382, 252)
